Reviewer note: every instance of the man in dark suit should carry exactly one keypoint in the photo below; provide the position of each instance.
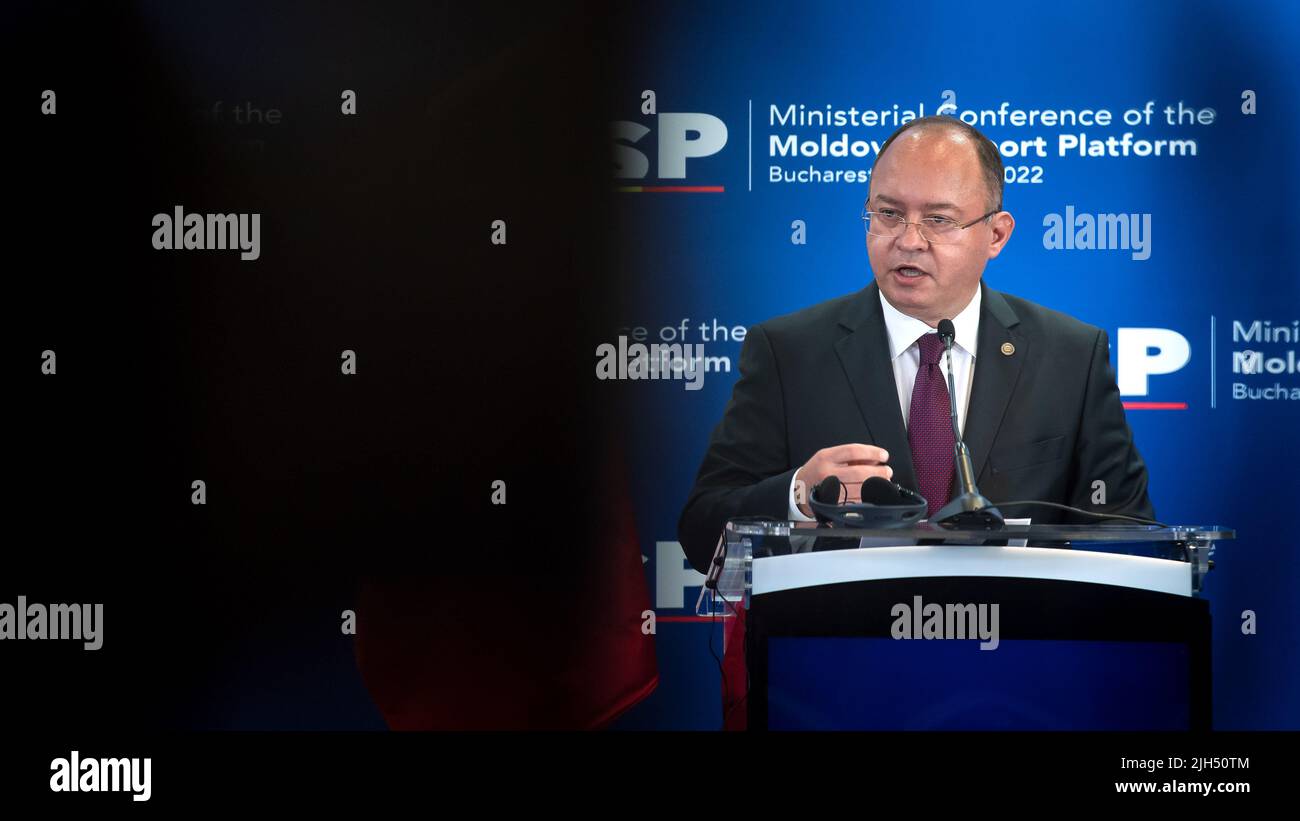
(856, 387)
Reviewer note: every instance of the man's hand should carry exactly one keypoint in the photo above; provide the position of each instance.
(853, 464)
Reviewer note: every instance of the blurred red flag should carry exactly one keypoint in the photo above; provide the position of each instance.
(566, 649)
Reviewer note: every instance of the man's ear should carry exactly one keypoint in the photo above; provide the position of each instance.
(1002, 224)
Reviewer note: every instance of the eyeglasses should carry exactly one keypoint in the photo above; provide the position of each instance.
(940, 230)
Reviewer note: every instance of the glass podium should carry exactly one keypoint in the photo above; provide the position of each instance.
(1090, 627)
(744, 540)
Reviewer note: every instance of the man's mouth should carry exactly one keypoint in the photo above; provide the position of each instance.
(909, 271)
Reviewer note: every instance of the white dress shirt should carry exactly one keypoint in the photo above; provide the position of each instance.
(905, 356)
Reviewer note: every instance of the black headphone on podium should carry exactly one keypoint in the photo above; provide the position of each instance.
(884, 504)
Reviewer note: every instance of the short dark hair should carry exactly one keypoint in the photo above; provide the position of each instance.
(990, 159)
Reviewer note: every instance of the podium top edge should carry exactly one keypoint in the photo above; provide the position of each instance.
(1101, 532)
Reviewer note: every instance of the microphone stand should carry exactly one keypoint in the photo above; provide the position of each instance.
(970, 510)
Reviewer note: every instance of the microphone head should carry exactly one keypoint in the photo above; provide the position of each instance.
(947, 333)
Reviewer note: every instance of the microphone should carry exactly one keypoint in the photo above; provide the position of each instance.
(970, 510)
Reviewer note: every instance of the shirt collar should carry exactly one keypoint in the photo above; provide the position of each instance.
(904, 330)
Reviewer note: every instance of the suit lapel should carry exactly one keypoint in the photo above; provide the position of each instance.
(864, 354)
(996, 374)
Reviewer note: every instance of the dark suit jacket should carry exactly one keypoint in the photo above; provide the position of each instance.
(1043, 423)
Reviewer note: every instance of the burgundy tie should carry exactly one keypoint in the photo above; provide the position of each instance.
(929, 426)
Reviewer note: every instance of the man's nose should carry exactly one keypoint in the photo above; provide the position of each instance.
(911, 238)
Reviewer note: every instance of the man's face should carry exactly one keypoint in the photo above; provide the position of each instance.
(932, 173)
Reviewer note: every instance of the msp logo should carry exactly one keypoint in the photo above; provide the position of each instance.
(1262, 353)
(1146, 352)
(673, 576)
(1266, 357)
(678, 138)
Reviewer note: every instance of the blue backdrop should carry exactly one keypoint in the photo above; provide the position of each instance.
(1212, 258)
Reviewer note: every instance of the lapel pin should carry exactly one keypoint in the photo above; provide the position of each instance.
(1008, 349)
